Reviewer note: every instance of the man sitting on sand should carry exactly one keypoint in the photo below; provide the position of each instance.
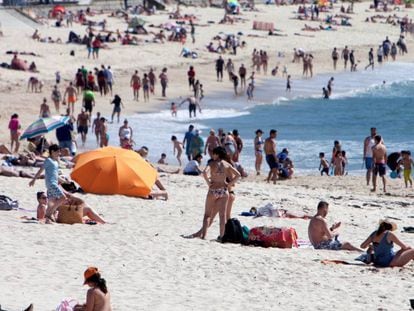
(323, 237)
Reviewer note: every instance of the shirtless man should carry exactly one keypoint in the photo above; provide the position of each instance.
(335, 56)
(192, 105)
(345, 56)
(271, 158)
(136, 85)
(96, 127)
(82, 124)
(323, 237)
(72, 94)
(369, 142)
(329, 86)
(379, 156)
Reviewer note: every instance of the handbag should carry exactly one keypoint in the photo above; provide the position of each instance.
(70, 214)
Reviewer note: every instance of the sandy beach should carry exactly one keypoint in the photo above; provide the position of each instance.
(146, 263)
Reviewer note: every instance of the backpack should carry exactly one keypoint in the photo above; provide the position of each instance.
(273, 237)
(234, 232)
(7, 204)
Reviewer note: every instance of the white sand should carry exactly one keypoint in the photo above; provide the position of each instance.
(147, 264)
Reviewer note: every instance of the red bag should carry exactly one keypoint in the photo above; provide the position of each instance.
(273, 237)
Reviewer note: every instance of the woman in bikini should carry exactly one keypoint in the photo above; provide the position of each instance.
(221, 178)
(258, 149)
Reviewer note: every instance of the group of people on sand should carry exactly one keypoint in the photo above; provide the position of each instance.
(147, 82)
(379, 244)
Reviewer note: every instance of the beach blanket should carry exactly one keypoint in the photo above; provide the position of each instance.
(273, 237)
(263, 26)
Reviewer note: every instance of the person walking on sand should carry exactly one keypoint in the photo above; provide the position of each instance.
(96, 128)
(187, 141)
(136, 85)
(345, 56)
(71, 99)
(97, 297)
(379, 156)
(382, 240)
(323, 237)
(271, 158)
(146, 87)
(370, 59)
(242, 75)
(191, 77)
(152, 78)
(164, 81)
(56, 97)
(230, 69)
(44, 109)
(14, 127)
(55, 193)
(335, 56)
(211, 143)
(258, 150)
(177, 149)
(82, 124)
(369, 143)
(117, 102)
(219, 68)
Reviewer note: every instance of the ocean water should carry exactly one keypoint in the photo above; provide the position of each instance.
(306, 123)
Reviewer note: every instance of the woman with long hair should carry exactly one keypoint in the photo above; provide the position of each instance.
(220, 177)
(98, 297)
(382, 242)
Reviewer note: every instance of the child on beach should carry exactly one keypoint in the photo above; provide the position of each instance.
(338, 164)
(249, 91)
(42, 206)
(162, 160)
(344, 162)
(98, 297)
(407, 163)
(178, 148)
(173, 109)
(323, 165)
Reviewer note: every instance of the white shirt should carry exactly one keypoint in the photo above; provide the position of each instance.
(192, 167)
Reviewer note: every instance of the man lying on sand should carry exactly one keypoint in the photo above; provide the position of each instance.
(323, 237)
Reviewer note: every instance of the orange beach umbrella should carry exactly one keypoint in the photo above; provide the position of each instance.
(113, 170)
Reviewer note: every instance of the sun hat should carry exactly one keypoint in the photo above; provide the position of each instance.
(91, 271)
(388, 221)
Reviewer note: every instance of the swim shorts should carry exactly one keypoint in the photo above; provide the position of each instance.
(380, 169)
(271, 161)
(192, 108)
(71, 99)
(407, 175)
(369, 163)
(333, 245)
(82, 129)
(54, 192)
(325, 170)
(117, 109)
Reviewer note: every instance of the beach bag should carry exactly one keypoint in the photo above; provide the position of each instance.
(273, 237)
(67, 304)
(70, 214)
(234, 232)
(7, 204)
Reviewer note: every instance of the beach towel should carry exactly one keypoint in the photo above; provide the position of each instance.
(273, 237)
(263, 26)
